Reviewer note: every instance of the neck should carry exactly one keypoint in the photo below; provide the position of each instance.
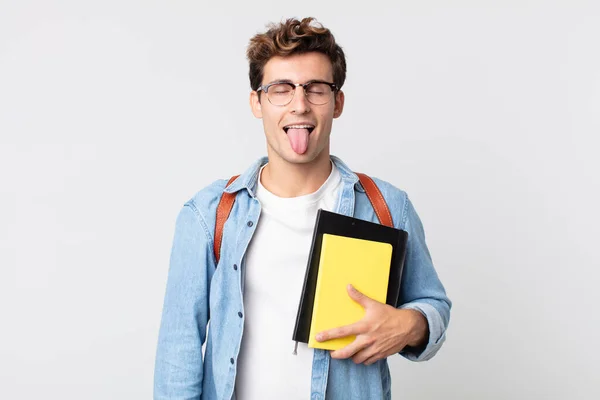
(285, 179)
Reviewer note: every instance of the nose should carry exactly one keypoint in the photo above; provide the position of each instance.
(299, 104)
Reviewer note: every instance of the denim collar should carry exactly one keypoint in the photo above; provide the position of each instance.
(249, 179)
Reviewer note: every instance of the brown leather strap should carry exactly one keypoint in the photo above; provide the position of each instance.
(377, 201)
(223, 211)
(373, 193)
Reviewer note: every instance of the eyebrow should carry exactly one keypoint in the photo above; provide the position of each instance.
(290, 81)
(280, 81)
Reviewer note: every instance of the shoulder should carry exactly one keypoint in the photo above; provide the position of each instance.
(204, 204)
(389, 191)
(208, 196)
(396, 199)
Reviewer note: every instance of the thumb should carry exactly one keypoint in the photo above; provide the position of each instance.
(359, 297)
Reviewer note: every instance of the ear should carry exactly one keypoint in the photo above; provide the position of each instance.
(339, 104)
(255, 105)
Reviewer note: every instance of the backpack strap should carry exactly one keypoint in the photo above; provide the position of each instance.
(223, 211)
(377, 201)
(373, 193)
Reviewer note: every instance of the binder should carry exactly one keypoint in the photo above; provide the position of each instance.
(341, 225)
(343, 260)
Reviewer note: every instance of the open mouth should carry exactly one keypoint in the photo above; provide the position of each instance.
(310, 128)
(298, 135)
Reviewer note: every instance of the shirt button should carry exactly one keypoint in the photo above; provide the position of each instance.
(235, 266)
(240, 314)
(231, 360)
(250, 223)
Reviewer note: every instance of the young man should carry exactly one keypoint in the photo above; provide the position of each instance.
(251, 295)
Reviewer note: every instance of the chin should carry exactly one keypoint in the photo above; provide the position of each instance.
(295, 158)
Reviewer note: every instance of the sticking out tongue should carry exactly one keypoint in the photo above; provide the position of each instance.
(298, 139)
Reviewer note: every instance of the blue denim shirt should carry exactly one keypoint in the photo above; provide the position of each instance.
(198, 291)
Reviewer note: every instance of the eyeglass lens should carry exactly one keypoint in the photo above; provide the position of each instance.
(317, 93)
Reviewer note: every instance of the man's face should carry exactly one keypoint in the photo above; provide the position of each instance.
(283, 125)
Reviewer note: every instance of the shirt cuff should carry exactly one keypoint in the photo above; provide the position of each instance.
(437, 332)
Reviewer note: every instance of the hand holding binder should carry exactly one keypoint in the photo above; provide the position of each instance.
(345, 260)
(384, 331)
(350, 249)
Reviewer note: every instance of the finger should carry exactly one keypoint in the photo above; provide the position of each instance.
(363, 355)
(348, 330)
(373, 359)
(348, 351)
(359, 297)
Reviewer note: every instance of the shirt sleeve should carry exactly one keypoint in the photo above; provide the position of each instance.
(178, 365)
(421, 288)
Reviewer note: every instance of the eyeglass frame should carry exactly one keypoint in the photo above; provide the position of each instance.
(265, 89)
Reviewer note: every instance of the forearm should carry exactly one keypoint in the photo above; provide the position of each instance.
(419, 330)
(436, 331)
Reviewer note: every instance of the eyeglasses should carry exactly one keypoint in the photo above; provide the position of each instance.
(282, 93)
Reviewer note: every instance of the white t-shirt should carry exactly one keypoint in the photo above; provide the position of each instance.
(275, 266)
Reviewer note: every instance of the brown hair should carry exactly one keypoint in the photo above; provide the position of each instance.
(294, 37)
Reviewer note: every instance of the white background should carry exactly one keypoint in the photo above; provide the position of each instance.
(114, 113)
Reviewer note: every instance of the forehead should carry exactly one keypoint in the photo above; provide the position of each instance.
(298, 68)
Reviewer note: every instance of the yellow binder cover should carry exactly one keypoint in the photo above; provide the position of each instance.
(344, 260)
